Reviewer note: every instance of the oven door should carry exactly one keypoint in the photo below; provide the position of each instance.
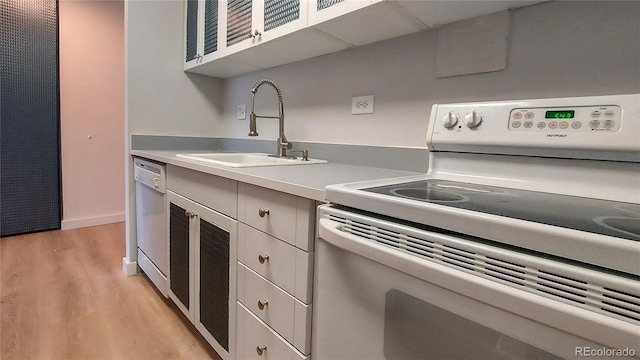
(389, 299)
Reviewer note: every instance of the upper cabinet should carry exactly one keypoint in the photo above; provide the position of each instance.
(201, 32)
(224, 38)
(253, 35)
(249, 23)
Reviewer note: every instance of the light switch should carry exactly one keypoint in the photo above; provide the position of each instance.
(241, 112)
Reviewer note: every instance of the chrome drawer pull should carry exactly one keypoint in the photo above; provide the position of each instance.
(261, 349)
(262, 304)
(190, 214)
(262, 212)
(262, 258)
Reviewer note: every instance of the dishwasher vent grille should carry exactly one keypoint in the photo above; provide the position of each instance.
(511, 268)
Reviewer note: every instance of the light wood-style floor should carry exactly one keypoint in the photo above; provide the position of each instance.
(63, 295)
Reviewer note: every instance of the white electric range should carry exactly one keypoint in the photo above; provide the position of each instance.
(529, 214)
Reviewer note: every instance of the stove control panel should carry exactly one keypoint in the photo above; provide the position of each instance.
(566, 119)
(591, 127)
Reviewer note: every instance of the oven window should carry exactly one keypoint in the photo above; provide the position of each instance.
(414, 329)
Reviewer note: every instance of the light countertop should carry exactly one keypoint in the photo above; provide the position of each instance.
(306, 181)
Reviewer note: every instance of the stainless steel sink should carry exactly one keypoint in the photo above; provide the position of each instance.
(237, 160)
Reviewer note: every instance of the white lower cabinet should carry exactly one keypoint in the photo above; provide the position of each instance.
(202, 270)
(275, 273)
(287, 217)
(259, 341)
(245, 284)
(281, 263)
(286, 315)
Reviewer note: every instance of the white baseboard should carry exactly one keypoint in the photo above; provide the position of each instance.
(92, 221)
(130, 268)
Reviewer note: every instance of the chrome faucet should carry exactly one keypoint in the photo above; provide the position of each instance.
(283, 143)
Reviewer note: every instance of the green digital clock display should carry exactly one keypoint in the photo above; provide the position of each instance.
(559, 114)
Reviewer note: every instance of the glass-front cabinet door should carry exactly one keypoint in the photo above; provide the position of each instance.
(201, 31)
(211, 24)
(282, 17)
(192, 51)
(240, 23)
(249, 23)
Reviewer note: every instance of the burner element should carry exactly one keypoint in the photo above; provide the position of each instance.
(626, 225)
(469, 188)
(630, 208)
(615, 219)
(429, 194)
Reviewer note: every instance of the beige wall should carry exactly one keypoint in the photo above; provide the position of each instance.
(92, 112)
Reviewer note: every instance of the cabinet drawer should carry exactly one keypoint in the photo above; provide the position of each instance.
(285, 216)
(286, 266)
(287, 316)
(253, 335)
(213, 191)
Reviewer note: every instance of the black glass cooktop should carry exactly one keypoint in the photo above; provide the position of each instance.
(605, 217)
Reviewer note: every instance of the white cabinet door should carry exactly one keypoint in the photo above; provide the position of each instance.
(239, 24)
(202, 32)
(215, 278)
(259, 341)
(202, 275)
(210, 32)
(270, 303)
(270, 257)
(281, 17)
(181, 254)
(285, 216)
(285, 314)
(248, 23)
(193, 48)
(267, 210)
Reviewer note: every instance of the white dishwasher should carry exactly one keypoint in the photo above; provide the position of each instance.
(151, 222)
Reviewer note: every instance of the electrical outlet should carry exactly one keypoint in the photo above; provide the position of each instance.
(362, 105)
(242, 112)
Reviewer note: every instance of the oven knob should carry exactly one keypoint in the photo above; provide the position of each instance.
(449, 120)
(473, 119)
